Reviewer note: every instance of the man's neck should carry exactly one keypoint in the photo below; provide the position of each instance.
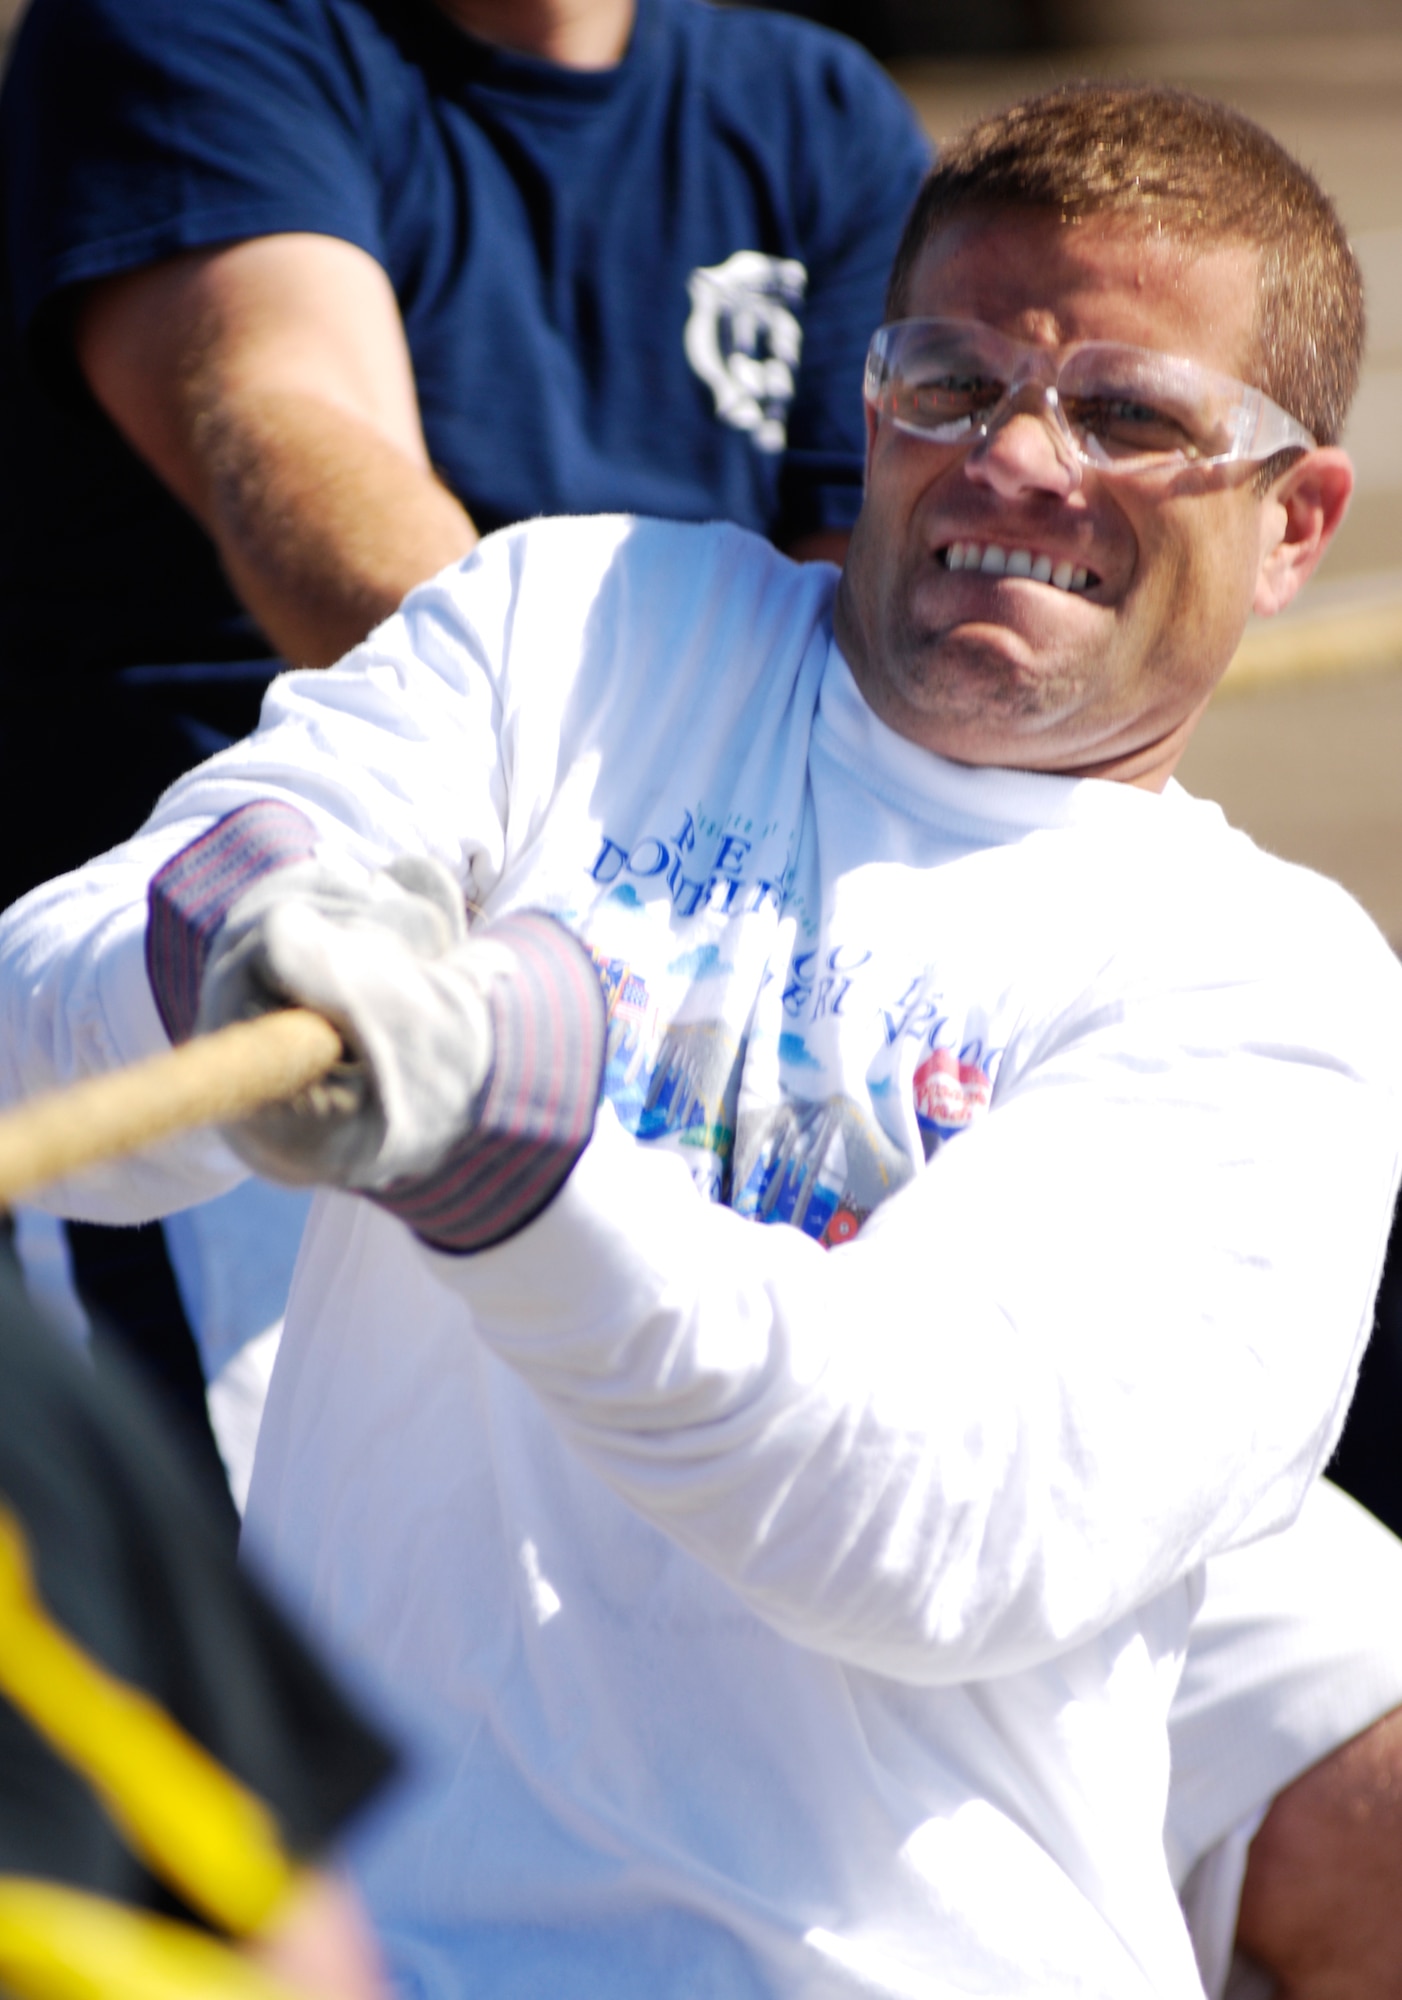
(577, 34)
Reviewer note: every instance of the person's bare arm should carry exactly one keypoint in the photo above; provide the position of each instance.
(320, 1944)
(268, 383)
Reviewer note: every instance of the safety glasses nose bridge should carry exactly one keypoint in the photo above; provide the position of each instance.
(1032, 391)
(1025, 376)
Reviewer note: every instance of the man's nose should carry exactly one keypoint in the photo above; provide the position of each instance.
(1026, 447)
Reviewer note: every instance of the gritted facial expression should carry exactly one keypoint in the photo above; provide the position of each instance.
(1103, 665)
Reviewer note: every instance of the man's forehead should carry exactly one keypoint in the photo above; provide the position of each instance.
(1053, 279)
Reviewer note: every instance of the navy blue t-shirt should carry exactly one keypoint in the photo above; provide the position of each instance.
(648, 288)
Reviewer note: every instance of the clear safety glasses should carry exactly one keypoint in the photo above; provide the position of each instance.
(1120, 409)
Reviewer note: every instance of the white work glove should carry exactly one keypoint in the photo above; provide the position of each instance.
(385, 955)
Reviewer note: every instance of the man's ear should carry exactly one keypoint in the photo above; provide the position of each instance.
(1299, 518)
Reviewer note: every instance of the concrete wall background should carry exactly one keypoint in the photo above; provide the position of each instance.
(1148, 21)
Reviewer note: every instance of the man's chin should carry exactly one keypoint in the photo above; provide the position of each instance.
(989, 670)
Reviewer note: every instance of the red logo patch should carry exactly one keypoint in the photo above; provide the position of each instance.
(949, 1094)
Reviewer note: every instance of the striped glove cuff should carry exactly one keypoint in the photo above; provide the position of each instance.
(535, 1113)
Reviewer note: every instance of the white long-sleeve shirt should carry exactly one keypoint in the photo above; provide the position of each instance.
(801, 1605)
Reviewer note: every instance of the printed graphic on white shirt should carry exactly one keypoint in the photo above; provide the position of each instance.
(802, 1076)
(743, 339)
(669, 1081)
(822, 1165)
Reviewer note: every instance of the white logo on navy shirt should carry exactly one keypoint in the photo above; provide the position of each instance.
(744, 342)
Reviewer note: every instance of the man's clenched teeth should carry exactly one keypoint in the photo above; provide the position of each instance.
(992, 560)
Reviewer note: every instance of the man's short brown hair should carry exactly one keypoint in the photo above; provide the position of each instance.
(1185, 166)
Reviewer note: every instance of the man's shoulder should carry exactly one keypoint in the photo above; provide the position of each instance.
(1316, 925)
(641, 539)
(1216, 908)
(293, 114)
(118, 23)
(1153, 927)
(645, 565)
(83, 60)
(1284, 894)
(1134, 892)
(627, 623)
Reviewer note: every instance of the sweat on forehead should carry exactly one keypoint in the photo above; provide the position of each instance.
(1183, 166)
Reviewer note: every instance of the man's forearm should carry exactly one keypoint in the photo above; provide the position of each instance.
(269, 385)
(322, 524)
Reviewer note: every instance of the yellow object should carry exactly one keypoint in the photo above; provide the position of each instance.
(63, 1944)
(193, 1824)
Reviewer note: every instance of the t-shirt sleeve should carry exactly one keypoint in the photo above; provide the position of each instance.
(136, 129)
(865, 176)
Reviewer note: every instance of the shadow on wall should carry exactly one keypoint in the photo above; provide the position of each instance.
(891, 28)
(10, 12)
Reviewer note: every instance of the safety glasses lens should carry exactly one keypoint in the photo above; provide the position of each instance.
(1126, 404)
(941, 381)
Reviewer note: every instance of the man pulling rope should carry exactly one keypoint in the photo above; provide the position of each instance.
(875, 1603)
